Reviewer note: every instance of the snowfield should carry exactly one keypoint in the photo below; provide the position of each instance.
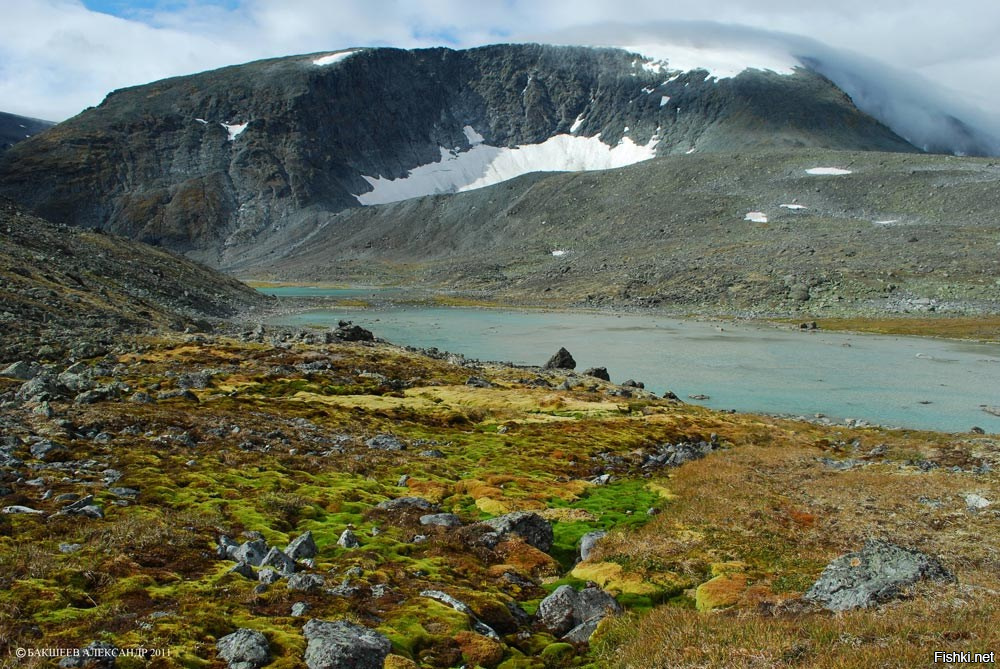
(335, 57)
(484, 165)
(828, 171)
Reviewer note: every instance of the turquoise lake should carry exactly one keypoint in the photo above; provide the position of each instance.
(911, 382)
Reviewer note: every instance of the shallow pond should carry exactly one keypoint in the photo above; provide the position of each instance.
(900, 381)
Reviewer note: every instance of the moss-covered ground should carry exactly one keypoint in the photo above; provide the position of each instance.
(705, 557)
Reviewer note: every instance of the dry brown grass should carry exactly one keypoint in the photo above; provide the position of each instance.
(785, 515)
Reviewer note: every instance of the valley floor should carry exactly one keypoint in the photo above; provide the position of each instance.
(184, 439)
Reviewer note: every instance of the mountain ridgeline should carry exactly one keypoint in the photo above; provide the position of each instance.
(15, 129)
(215, 163)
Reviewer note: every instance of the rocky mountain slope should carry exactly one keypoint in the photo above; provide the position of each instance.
(14, 129)
(58, 282)
(748, 232)
(214, 163)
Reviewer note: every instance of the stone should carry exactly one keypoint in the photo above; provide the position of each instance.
(460, 606)
(49, 451)
(244, 570)
(21, 370)
(598, 373)
(251, 552)
(528, 525)
(432, 453)
(299, 609)
(268, 576)
(347, 331)
(17, 508)
(83, 507)
(281, 562)
(975, 503)
(69, 548)
(348, 539)
(567, 611)
(343, 645)
(441, 519)
(478, 382)
(244, 649)
(873, 575)
(588, 541)
(385, 442)
(225, 547)
(561, 360)
(302, 547)
(406, 504)
(305, 582)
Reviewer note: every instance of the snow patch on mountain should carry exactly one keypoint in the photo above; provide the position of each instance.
(484, 165)
(234, 129)
(719, 61)
(335, 57)
(828, 171)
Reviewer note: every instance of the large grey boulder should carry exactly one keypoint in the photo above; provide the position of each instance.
(528, 525)
(251, 552)
(281, 562)
(561, 360)
(875, 574)
(568, 611)
(343, 645)
(244, 649)
(302, 547)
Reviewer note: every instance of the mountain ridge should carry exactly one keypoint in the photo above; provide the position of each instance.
(213, 163)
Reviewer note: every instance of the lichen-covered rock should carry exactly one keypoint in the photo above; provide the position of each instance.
(348, 539)
(302, 547)
(566, 609)
(343, 645)
(875, 574)
(588, 541)
(406, 504)
(441, 519)
(535, 530)
(305, 582)
(244, 649)
(385, 442)
(251, 552)
(281, 562)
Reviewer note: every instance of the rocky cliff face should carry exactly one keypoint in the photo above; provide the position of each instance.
(212, 164)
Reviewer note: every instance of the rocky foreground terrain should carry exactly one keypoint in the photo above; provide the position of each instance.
(288, 498)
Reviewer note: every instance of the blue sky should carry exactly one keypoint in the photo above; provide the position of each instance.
(60, 56)
(139, 8)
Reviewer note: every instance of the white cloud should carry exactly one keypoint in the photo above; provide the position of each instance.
(57, 57)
